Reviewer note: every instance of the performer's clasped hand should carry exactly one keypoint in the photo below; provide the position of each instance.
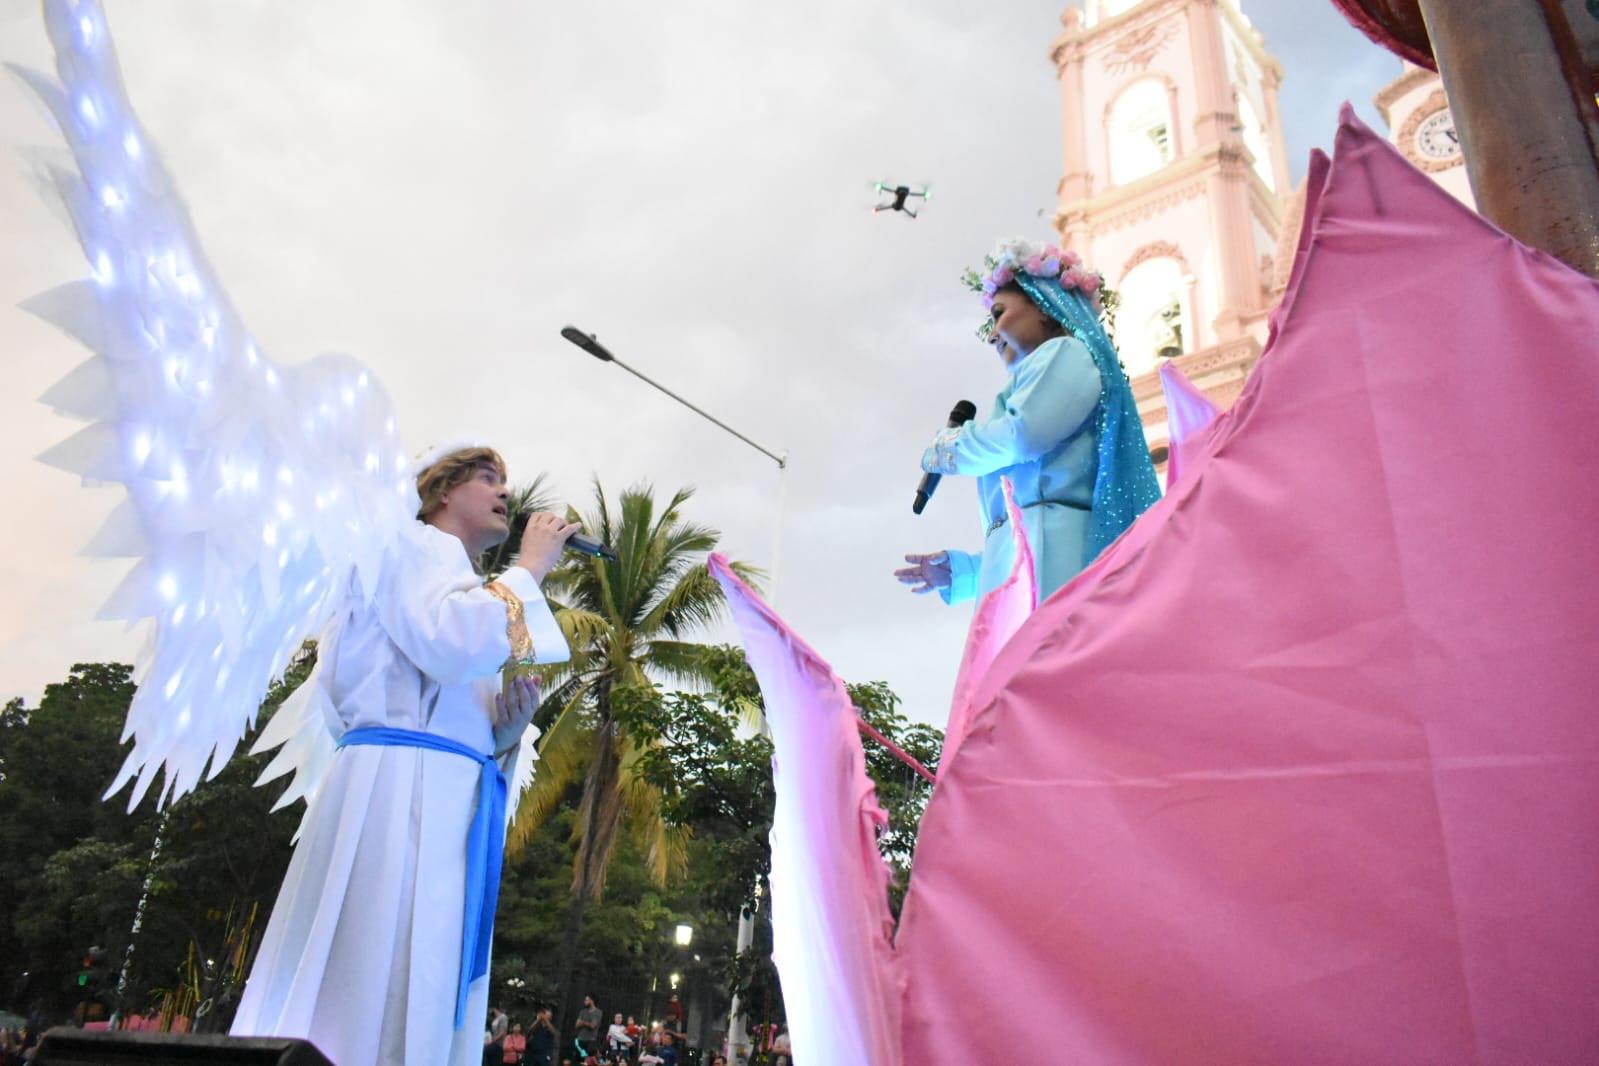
(513, 711)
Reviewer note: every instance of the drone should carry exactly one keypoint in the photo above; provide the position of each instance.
(901, 195)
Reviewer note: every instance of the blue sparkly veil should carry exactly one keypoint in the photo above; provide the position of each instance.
(1125, 485)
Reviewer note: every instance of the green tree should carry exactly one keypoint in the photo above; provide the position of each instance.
(69, 863)
(73, 866)
(628, 622)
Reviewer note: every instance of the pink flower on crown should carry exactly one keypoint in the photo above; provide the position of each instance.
(1090, 284)
(1035, 265)
(1003, 275)
(1071, 259)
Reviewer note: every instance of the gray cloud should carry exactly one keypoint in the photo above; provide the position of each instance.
(438, 188)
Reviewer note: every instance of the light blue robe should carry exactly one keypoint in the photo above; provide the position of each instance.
(1040, 434)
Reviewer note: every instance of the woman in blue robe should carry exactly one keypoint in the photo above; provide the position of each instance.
(1064, 430)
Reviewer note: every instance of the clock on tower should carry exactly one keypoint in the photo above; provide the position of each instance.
(1428, 137)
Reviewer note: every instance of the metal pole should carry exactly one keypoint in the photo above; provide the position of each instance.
(591, 344)
(138, 919)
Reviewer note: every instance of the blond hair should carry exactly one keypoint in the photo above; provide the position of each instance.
(451, 470)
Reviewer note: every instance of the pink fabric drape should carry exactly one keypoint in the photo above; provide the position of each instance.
(1305, 767)
(831, 925)
(998, 616)
(1188, 413)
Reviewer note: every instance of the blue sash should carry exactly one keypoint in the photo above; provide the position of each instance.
(485, 846)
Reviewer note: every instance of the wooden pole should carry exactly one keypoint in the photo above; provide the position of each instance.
(1524, 107)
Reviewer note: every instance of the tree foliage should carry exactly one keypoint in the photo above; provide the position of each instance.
(73, 866)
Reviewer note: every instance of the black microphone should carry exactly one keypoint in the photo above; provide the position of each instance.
(578, 543)
(963, 413)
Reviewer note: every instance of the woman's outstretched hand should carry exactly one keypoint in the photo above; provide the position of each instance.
(926, 572)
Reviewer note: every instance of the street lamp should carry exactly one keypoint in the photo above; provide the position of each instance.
(591, 344)
(685, 935)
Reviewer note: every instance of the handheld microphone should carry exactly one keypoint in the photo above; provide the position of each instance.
(578, 543)
(963, 413)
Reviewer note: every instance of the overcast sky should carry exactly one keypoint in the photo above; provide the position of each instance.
(438, 187)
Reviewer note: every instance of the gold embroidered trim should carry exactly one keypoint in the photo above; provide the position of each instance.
(515, 625)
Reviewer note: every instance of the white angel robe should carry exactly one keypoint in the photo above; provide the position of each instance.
(363, 950)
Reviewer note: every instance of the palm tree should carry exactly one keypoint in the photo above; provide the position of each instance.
(626, 621)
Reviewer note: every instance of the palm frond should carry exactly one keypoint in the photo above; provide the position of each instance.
(680, 661)
(584, 630)
(562, 750)
(751, 715)
(664, 844)
(694, 602)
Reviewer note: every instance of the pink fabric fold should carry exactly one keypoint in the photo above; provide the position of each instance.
(1188, 413)
(997, 618)
(831, 925)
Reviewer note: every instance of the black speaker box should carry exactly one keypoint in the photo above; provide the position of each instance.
(75, 1047)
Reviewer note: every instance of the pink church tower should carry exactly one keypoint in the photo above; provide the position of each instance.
(1175, 184)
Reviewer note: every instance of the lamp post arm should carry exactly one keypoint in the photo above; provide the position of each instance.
(780, 460)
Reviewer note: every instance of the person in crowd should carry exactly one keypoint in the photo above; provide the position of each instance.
(541, 1040)
(587, 1037)
(673, 1014)
(513, 1050)
(494, 1038)
(617, 1042)
(635, 1032)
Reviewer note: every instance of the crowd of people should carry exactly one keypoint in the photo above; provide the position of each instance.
(621, 1041)
(17, 1045)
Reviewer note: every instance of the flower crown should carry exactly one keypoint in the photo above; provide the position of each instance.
(1040, 261)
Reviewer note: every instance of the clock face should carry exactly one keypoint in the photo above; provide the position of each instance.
(1436, 138)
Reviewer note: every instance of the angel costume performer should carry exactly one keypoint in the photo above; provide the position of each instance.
(1065, 431)
(388, 902)
(268, 504)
